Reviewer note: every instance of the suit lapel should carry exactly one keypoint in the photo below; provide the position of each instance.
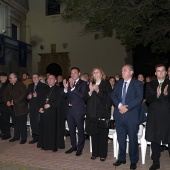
(156, 84)
(164, 83)
(120, 89)
(77, 84)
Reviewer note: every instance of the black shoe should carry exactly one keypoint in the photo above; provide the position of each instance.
(33, 141)
(79, 152)
(71, 150)
(86, 136)
(5, 137)
(1, 135)
(13, 140)
(163, 148)
(22, 142)
(55, 150)
(154, 167)
(133, 166)
(118, 163)
(93, 158)
(102, 159)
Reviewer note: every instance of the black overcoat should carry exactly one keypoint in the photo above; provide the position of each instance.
(158, 119)
(18, 94)
(98, 106)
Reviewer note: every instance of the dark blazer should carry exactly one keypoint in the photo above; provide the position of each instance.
(76, 97)
(3, 105)
(34, 102)
(158, 119)
(18, 95)
(134, 97)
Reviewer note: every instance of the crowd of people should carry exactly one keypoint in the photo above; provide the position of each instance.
(87, 103)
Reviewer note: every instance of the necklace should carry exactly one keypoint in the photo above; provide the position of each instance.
(48, 95)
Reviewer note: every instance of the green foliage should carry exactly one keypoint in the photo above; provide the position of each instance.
(134, 21)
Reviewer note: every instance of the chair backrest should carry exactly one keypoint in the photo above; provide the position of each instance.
(140, 131)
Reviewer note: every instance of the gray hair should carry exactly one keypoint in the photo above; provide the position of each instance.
(130, 67)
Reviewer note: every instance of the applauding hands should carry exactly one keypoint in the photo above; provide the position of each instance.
(93, 87)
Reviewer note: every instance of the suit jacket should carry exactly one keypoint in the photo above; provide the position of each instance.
(76, 97)
(134, 97)
(158, 119)
(34, 102)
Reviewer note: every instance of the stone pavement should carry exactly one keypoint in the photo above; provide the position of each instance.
(14, 156)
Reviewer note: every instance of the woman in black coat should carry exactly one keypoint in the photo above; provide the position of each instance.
(98, 107)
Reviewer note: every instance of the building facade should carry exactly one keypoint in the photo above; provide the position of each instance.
(15, 53)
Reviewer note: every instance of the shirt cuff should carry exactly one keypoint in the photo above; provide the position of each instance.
(72, 88)
(89, 93)
(65, 91)
(120, 104)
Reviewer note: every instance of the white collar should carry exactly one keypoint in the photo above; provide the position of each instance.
(128, 81)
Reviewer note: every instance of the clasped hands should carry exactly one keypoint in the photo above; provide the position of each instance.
(34, 94)
(123, 109)
(159, 91)
(10, 103)
(46, 106)
(93, 87)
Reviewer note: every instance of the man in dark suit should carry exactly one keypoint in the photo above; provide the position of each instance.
(158, 119)
(4, 111)
(128, 114)
(169, 72)
(34, 91)
(75, 90)
(15, 97)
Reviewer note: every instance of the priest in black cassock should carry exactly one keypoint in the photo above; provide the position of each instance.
(49, 138)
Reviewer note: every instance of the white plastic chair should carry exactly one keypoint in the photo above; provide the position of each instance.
(141, 141)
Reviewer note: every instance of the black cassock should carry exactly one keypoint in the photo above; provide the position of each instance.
(51, 127)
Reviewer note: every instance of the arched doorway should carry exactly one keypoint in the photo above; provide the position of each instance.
(54, 68)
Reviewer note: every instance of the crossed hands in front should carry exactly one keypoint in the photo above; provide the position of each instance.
(123, 109)
(10, 103)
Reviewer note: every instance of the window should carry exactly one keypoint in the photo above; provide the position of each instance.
(14, 31)
(52, 7)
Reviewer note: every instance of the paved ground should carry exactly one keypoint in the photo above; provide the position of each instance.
(14, 156)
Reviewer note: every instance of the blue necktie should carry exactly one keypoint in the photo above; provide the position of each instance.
(124, 93)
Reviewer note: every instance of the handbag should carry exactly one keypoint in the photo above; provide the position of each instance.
(103, 123)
